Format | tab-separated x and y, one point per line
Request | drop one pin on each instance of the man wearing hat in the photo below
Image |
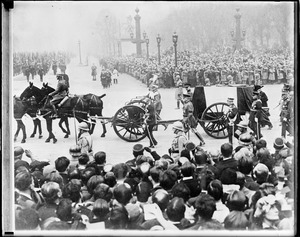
188	89
137	150
233	118
256	116
85	141
179	91
286	114
262	95
189	120
59	94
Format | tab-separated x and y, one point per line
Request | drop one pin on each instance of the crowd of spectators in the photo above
231	188
220	66
29	63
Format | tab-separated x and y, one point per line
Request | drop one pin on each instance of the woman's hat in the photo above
83	126
243	124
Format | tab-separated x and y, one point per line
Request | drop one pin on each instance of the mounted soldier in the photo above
60	93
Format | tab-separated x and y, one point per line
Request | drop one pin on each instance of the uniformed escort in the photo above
85	141
189	121
232	118
179	141
60	93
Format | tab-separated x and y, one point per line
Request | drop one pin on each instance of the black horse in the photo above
28	103
46	90
79	107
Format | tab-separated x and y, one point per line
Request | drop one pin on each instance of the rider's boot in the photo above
55	111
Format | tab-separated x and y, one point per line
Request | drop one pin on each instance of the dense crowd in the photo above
32	64
220	66
247	187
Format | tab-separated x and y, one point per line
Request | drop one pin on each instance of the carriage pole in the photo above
75	127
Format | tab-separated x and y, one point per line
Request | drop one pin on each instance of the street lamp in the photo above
158	39
131	35
79	52
175	40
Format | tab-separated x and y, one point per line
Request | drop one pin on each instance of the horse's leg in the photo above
18	130
38	123
67	127
22	126
24	132
34	128
93	124
49	128
60	125
104	129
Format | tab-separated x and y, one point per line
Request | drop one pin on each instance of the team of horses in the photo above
35	102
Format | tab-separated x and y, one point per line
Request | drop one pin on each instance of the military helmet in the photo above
178	125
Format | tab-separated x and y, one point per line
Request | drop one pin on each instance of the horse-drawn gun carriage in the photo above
129	121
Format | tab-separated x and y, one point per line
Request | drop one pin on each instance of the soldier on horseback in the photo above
59	94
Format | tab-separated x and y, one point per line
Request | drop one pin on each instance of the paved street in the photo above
116	96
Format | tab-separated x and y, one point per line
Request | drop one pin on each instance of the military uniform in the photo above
85	141
189	119
232	118
60	92
286	115
255	117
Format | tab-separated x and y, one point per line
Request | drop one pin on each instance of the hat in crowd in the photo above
18	152
257	87
186	96
190	146
178	125
187	84
138	148
278	143
260	168
83	126
230	99
154	86
285	152
243	124
167	158
286	88
245	139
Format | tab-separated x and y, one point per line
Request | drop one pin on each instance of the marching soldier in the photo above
265	110
232	118
189	120
179	91
286	114
54	67
255	117
94	72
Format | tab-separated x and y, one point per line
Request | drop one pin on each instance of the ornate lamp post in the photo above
147	43
175	40
158	39
137	40
79	52
238	37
